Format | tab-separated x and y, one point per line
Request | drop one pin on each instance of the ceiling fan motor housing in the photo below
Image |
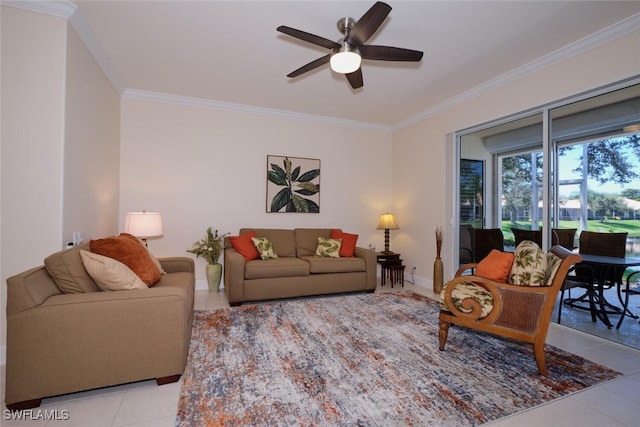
345	25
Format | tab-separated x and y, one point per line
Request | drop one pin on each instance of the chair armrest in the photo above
465	267
177	264
472	304
498	291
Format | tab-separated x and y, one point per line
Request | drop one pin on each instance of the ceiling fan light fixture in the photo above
345	62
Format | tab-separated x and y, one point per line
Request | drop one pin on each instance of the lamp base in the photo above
387	252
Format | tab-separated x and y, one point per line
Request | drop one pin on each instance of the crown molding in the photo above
62	9
143	95
95	48
613	32
69	11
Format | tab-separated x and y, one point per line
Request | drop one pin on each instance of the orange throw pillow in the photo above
127	249
348	247
495	266
245	246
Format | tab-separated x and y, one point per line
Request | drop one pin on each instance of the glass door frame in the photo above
550	161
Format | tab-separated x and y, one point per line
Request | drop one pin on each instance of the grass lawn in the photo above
631	226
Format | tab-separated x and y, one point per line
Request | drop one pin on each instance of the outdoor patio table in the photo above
600	303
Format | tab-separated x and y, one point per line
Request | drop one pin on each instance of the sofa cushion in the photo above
529	265
67	270
244	245
306	240
264	248
279	267
283	241
349	242
127	249
110	274
328	247
334	265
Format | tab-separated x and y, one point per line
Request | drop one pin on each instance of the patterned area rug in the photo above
361	359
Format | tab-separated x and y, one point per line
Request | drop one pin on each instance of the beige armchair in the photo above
510	310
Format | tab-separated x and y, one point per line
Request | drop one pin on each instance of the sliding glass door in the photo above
584	173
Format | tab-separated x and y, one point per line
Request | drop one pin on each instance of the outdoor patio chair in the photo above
514	310
590	278
559	236
521	235
564	237
485	240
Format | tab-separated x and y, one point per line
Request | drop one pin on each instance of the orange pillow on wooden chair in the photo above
244	245
495	266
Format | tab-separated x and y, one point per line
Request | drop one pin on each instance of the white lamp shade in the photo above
345	62
387	222
144	224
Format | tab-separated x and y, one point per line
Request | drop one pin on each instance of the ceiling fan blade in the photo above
308	37
388	53
355	79
310	66
368	24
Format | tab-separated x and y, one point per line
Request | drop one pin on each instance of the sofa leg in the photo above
235	304
167	380
25	404
370	291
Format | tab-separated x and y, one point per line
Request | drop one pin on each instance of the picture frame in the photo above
293	184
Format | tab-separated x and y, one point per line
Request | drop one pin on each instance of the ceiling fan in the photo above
346	58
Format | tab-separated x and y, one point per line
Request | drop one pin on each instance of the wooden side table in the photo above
391	268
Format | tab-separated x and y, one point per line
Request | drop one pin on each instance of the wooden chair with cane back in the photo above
520	309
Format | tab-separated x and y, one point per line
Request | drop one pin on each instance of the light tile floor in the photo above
614	403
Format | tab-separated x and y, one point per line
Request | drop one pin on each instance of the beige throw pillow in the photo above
328	247
264	247
110	274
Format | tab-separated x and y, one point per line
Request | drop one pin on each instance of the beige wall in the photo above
204	167
59	146
33	64
92	147
420	172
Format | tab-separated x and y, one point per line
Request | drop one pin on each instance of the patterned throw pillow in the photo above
553	264
264	247
529	265
328	247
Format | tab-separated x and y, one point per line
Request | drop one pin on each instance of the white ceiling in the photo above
230	51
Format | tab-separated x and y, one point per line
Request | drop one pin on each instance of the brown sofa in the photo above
297	271
59	343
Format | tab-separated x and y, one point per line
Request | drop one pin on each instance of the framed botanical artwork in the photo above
293	184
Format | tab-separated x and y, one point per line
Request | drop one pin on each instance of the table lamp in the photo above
144	225
387	222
